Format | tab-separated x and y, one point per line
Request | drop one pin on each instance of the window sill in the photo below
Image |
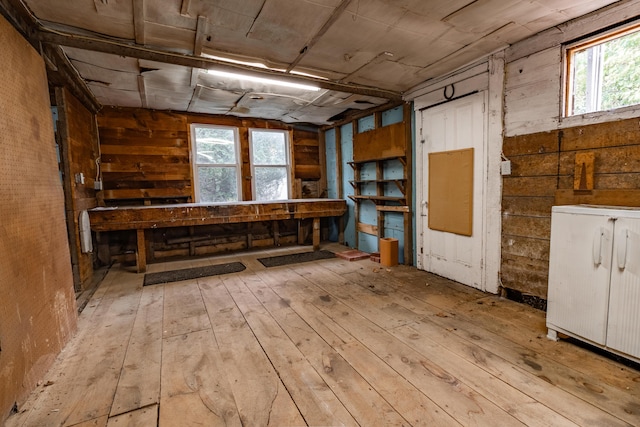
599	117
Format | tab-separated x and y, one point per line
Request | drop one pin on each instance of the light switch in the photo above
505	167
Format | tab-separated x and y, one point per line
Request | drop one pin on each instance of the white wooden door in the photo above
455	125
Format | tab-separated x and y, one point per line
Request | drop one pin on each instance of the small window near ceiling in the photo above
603	73
216	169
270	164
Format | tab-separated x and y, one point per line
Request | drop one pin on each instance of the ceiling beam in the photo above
184	8
332	19
138	21
198	42
133	51
201	27
61	72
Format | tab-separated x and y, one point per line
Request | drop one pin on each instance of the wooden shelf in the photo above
354	163
370	181
400	183
378	199
385	208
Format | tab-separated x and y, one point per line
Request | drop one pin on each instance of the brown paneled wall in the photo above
543	175
37	302
146	155
78	139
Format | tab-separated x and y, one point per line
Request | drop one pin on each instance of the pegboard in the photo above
37	307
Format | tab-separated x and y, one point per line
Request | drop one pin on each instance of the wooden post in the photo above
316	234
276	234
192	243
380	191
339	181
141	254
356	177
408	221
300	232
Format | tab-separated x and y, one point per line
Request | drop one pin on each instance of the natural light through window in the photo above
604	72
216	167
270	164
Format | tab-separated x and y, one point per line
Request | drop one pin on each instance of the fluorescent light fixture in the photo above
261	65
263	80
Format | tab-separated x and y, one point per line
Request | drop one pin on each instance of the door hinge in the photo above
484	105
421	250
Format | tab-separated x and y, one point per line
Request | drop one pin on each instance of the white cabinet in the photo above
594	277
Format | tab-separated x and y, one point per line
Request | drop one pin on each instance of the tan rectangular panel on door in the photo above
451	191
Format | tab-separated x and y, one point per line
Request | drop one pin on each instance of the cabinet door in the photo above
579	266
623	332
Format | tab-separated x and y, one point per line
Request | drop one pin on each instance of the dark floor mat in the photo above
276	261
192	273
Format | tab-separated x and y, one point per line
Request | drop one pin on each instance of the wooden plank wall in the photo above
78	139
542	145
37	301
543	168
146	155
307	169
527	197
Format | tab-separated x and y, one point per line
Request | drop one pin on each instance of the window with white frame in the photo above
269	164
603	72
216	163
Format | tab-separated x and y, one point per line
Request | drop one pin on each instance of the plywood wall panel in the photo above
37	307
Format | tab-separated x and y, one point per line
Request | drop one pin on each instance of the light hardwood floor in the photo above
324	343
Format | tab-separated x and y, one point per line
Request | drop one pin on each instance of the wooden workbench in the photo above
141	218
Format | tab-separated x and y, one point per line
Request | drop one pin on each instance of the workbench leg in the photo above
300	232
316	234
141	254
276	234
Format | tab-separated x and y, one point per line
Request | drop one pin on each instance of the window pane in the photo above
217	184
215	145
621	80
271	183
269	148
607	75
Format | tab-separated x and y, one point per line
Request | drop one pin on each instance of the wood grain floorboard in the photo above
329	342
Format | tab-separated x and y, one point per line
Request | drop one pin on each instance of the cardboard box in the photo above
388	251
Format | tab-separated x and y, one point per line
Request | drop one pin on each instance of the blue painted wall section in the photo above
346	132
392	169
332	177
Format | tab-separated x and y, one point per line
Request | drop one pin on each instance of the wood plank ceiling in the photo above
154	54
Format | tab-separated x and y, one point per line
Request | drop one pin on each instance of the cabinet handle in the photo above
622	239
597	246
